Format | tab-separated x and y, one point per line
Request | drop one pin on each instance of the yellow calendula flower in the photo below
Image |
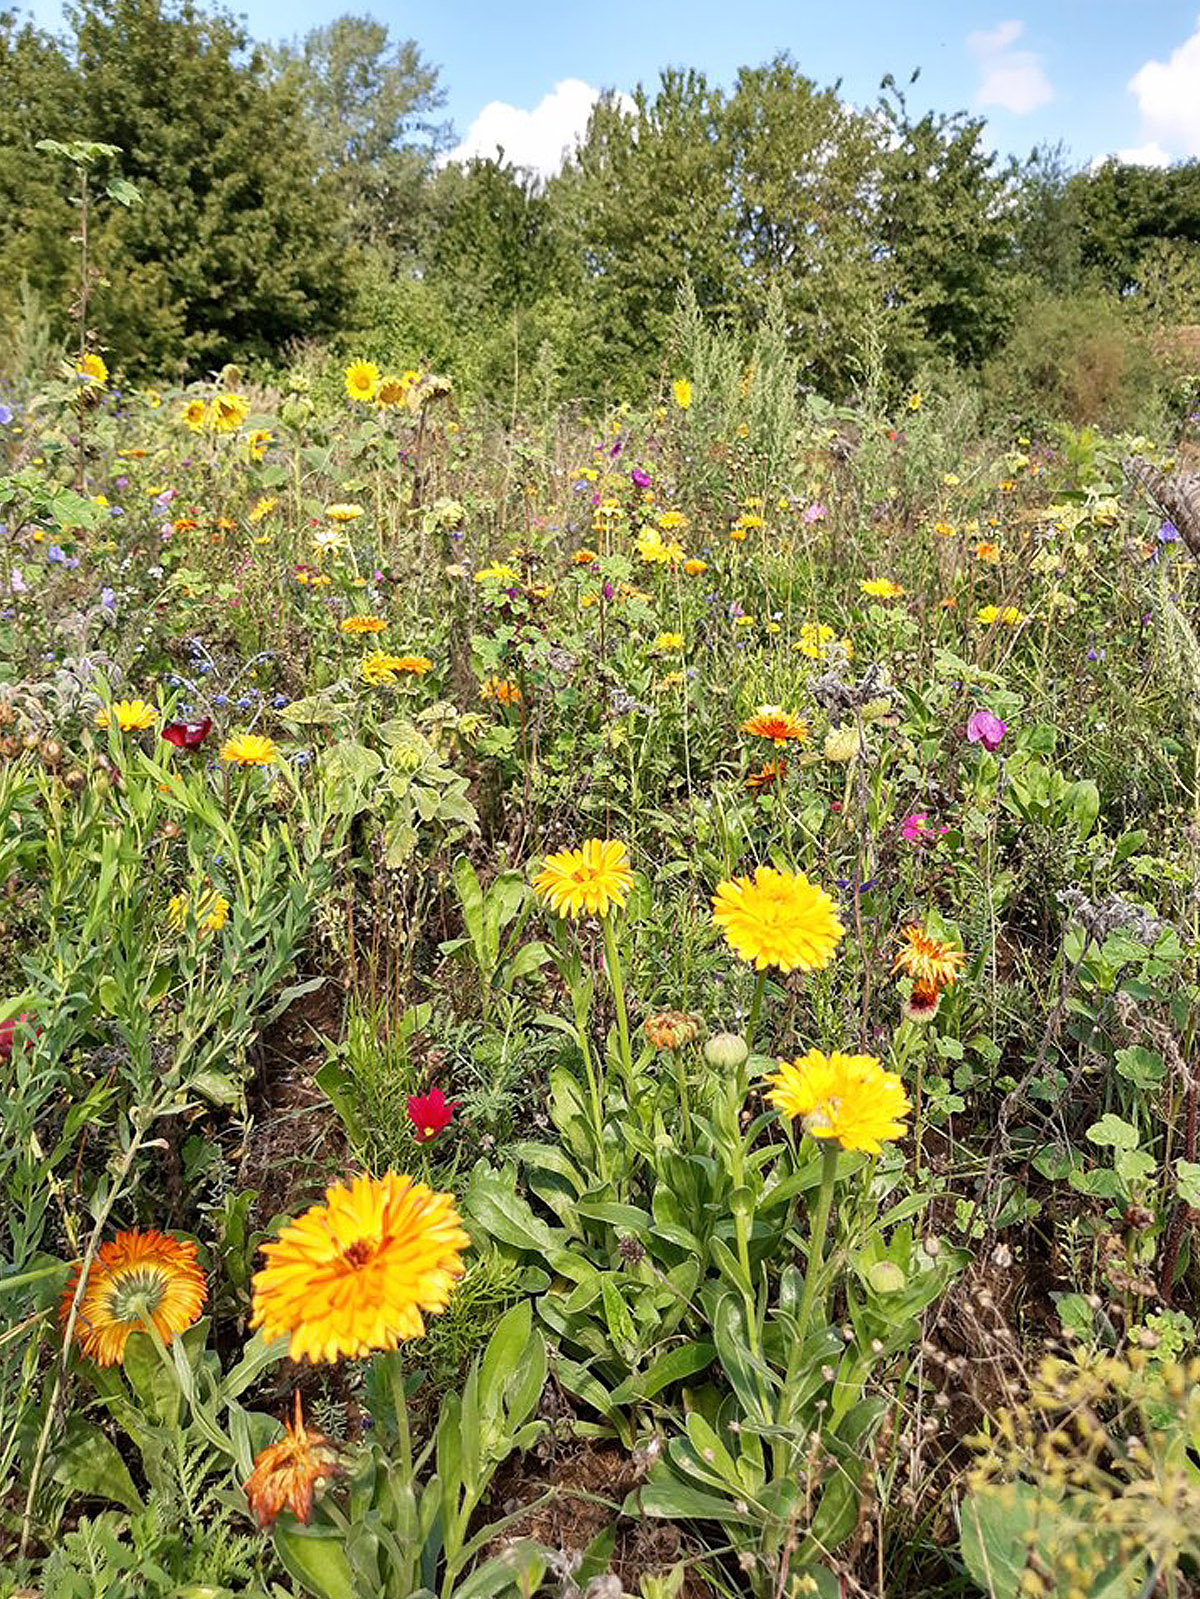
362	381
945	530
343	512
136	1278
916	400
497	572
261	508
681	393
380	667
92	370
249	749
987	551
593	879
672	521
778	919
363	624
817	639
1011	616
655	551
848	1098
195	414
667	643
987	615
129	715
880	588
355	1273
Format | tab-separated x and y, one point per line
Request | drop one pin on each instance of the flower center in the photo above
824	1114
359	1253
137	1295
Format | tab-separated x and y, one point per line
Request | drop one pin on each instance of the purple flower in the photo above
108	599
1168	533
814	513
640	478
986	729
6	415
608	591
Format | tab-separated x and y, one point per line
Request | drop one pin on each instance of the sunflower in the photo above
130	714
778	919
681	393
91	369
257	442
343	513
249	749
769	721
880	588
847	1097
362	381
392	391
136	1277
354	1274
592	878
227	412
363	623
285	1473
195	413
927	960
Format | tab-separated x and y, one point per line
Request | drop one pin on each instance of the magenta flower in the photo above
986	729
641	479
814	513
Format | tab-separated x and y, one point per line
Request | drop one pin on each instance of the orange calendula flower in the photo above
286	1473
595	879
364	624
584	557
778	919
987	551
501	689
849	1098
769	773
129	715
926	959
778	725
249	749
136	1278
694	566
355	1273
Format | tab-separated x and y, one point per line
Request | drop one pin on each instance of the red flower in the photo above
8	1028
187	735
430	1114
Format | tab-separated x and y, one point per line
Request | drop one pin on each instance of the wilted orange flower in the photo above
354	1274
768	773
778	725
286	1473
137	1277
927	959
501	689
671	1029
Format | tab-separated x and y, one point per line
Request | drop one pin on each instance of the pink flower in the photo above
814	513
430	1114
986	729
915	829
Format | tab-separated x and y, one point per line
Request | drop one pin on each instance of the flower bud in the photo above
726	1051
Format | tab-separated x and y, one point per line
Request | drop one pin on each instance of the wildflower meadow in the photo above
598	996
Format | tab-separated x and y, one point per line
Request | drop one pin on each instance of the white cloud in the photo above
540	139
1012	79
1168	97
1143	155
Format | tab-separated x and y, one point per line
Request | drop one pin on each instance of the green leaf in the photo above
88	1463
1111	1131
677	1364
665	1496
315	1558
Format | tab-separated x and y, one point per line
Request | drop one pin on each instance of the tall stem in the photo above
816	1260
617	984
760	985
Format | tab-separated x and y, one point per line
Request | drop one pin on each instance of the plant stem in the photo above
816	1260
617	984
760	985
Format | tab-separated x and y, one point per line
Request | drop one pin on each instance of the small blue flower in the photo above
280	701
220	699
6	415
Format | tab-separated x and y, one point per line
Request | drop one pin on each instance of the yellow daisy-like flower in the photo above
916	400
497	572
926	959
354	1274
769	721
392	391
584	557
593	879
694	566
129	714
672	521
227	412
91	369
501	689
656	551
987	614
137	1277
880	588
363	624
249	749
681	393
945	530
343	513
261	508
667	643
380	667
987	551
817	637
778	919
257	443
362	381
1011	616
211	911
849	1098
195	413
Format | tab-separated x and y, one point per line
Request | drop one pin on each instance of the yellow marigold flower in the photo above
392	391
343	513
681	393
249	749
137	1277
815	640
594	878
584	557
1011	616
91	369
778	919
655	551
694	567
130	714
945	530
916	400
672	521
737	534
987	551
262	508
287	1472
501	689
849	1098
987	614
498	572
195	413
354	1274
666	642
257	443
362	381
880	588
770	721
211	911
926	959
363	624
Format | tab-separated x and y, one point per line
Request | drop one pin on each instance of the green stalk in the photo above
816	1259
617	984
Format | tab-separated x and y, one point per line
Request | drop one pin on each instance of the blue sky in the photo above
1105	76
